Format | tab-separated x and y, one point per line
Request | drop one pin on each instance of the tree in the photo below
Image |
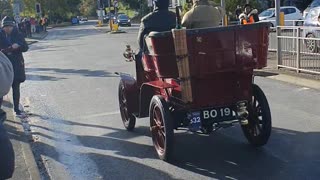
54	9
88	7
5	8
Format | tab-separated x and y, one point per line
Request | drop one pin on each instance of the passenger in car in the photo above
202	15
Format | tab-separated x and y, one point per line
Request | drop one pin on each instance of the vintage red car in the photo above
221	62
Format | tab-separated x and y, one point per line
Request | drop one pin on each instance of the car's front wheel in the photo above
311	44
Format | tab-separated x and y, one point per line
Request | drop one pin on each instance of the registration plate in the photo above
214	114
217	114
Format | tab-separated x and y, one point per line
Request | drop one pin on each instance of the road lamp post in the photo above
277	9
224	19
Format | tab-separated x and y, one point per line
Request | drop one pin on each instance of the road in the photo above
71	93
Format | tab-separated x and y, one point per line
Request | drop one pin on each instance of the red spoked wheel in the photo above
128	119
259	128
161	127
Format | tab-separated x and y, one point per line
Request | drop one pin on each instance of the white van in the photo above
292	15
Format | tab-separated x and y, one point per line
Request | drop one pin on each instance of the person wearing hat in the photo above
6	154
202	15
6	149
161	19
13	44
249	16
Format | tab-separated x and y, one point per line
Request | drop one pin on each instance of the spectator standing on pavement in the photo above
33	24
6	149
238	11
6	154
202	15
12	44
249	16
44	23
40	25
6	79
28	27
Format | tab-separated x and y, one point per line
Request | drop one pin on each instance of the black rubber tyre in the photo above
161	127
129	120
259	128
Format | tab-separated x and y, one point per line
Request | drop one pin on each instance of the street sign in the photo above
16	9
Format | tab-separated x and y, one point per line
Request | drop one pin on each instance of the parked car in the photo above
291	14
83	18
74	21
315	3
305	12
313	20
123	20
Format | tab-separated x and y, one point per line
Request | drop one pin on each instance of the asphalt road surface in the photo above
71	92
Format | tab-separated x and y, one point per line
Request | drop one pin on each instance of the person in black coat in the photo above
6	152
161	19
6	149
13	44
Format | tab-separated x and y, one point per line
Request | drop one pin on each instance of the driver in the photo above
161	19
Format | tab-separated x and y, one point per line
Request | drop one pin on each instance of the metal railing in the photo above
286	22
273	34
297	48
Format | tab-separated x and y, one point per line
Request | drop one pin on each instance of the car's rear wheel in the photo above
259	128
161	126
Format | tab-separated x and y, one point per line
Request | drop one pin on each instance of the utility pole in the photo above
224	19
277	7
16	10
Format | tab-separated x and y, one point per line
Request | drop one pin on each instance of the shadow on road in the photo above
288	155
32	77
120	168
71	33
264	73
83	72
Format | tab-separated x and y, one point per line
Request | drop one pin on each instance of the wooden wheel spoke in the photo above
124	100
156	121
158	115
162	131
161	139
153	129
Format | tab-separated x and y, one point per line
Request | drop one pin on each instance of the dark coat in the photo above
159	20
6	153
15	56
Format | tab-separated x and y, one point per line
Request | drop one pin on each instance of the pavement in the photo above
36	37
20	137
286	75
74	121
